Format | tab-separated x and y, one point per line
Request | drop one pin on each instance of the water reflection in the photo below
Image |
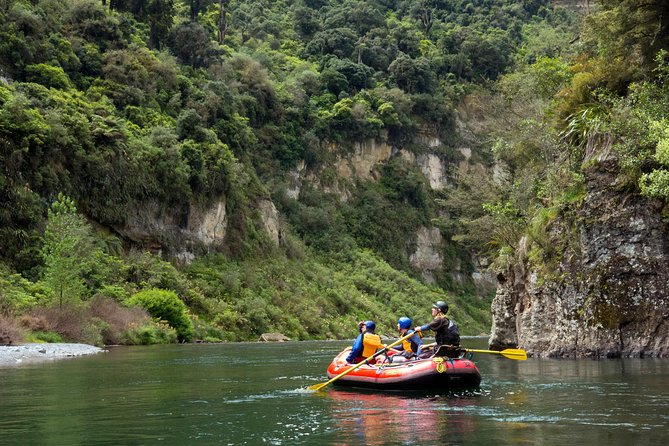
380	418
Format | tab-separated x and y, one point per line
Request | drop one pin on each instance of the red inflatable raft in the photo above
436	373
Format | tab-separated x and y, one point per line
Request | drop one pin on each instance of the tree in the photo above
358	76
338	41
158	14
423	11
196	6
222	21
192	44
627	29
411	75
160	17
66	242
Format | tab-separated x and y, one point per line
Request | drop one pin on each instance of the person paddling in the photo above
445	330
365	344
409	348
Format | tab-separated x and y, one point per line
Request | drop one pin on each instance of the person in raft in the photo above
445	330
365	344
409	348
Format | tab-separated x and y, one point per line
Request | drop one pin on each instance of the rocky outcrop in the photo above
608	295
427	257
179	234
362	163
273	337
434	170
199	229
270	220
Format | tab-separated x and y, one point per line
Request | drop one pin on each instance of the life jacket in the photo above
370	343
448	333
407	344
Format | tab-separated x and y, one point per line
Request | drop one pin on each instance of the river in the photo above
254	394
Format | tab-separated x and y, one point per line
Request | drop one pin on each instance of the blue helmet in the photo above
370	325
404	322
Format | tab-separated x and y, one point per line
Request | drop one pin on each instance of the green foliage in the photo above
629	30
66	243
508	224
148	334
45	336
656	183
93	105
17	293
313	299
166	305
48	75
192	44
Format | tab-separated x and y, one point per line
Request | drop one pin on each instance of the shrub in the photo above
116	319
69	321
10	331
149	333
166	305
48	75
207	332
45	336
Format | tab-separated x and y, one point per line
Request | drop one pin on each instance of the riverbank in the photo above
32	353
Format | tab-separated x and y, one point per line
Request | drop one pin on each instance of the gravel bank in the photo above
31	353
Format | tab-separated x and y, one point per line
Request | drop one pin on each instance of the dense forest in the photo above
110	109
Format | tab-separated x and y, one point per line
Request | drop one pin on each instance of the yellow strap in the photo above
441	368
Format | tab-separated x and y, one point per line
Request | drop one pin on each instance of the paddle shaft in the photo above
346	372
511	353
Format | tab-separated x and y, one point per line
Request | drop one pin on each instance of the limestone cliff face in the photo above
195	229
362	163
183	234
427	258
270	220
610	293
363	159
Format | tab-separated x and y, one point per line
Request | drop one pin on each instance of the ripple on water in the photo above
269	395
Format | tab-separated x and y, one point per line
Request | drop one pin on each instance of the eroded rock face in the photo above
150	224
270	219
427	258
362	163
208	226
610	293
196	230
433	169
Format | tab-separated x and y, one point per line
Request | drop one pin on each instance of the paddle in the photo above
346	372
511	353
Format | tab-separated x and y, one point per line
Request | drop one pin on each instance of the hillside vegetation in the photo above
110	107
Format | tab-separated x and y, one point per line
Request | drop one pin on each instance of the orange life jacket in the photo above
406	344
370	343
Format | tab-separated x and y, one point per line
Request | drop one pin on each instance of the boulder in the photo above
273	337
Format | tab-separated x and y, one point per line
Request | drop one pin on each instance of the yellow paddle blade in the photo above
317	387
511	353
514	353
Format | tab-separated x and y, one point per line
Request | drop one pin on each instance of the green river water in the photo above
254	394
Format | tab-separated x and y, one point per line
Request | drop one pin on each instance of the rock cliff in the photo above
609	295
